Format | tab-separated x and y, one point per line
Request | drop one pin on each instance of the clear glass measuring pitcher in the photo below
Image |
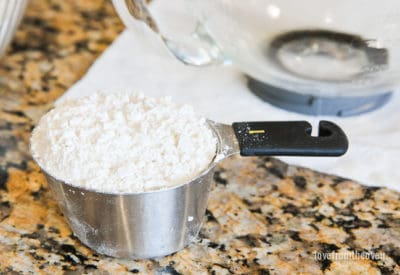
329	48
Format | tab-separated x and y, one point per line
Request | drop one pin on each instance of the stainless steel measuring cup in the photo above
158	223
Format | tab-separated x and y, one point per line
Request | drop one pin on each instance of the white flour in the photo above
122	143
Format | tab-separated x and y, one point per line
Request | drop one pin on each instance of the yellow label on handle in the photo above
252	132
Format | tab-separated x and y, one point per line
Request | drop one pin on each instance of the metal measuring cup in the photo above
158	223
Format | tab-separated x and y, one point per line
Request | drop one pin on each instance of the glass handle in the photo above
198	49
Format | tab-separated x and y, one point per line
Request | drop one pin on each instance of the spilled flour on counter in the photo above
122	143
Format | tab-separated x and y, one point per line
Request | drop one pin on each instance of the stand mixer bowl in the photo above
11	12
323	48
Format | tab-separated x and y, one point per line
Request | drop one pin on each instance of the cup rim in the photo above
202	173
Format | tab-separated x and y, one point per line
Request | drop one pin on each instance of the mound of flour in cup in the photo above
122	143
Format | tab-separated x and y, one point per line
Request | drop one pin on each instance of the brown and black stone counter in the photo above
264	217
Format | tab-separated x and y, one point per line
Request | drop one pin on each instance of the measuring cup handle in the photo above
289	138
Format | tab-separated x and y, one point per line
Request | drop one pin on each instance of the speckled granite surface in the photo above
264	217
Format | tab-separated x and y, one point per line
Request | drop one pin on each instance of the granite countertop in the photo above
263	217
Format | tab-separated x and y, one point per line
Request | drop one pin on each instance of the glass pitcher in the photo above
330	48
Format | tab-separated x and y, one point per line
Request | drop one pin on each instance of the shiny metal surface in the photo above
11	12
136	226
227	143
141	225
157	223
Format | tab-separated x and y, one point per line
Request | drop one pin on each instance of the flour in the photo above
122	143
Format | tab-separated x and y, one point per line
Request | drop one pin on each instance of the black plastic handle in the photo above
289	138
